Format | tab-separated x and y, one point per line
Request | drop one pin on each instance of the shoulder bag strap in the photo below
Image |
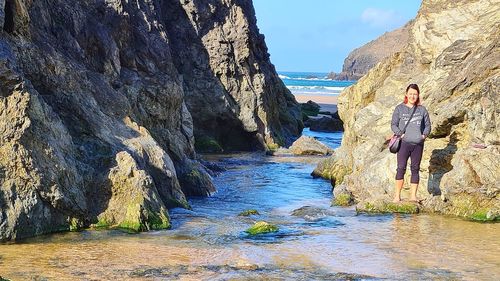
413	112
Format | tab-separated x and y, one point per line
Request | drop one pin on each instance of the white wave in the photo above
325	79
337	89
304	78
326	94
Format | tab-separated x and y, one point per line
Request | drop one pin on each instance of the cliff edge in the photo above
362	59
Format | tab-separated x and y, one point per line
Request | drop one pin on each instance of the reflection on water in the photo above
318	243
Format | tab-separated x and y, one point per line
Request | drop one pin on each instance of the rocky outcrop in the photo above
303	146
325	124
232	89
455	60
309	146
362	59
95	108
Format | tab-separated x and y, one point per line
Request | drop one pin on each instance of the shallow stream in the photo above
321	243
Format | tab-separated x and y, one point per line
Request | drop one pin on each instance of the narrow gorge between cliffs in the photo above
318	242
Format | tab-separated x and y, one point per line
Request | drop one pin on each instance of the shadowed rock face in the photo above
231	87
93	119
455	60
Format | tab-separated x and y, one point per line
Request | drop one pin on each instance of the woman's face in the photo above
412	96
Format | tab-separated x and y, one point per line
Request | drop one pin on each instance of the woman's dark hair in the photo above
414	87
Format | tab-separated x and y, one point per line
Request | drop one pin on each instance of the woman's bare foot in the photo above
396	200
414	200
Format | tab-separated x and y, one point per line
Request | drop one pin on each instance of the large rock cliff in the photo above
454	55
95	102
231	88
362	59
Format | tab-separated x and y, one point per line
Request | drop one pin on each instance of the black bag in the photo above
395	142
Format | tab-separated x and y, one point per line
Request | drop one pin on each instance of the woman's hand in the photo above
424	136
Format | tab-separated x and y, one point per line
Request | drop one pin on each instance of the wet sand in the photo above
327	102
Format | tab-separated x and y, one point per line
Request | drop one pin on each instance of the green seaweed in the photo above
389	207
158	221
207	144
272	146
342	199
403	208
75	224
248	213
472	208
101	224
482	216
261	227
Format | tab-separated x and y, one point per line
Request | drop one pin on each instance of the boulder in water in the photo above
309	146
325	124
262	227
248	213
311	213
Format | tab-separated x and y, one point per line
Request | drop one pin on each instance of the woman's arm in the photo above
395	122
427	124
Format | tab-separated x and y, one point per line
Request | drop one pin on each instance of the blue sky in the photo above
318	35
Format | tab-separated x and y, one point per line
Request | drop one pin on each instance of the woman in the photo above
412	143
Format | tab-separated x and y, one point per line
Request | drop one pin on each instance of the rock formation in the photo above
454	55
232	89
325	123
98	101
362	59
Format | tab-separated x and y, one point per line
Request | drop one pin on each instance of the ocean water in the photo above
315	83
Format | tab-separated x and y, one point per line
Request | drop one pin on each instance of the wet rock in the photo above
325	124
247	213
341	196
309	146
261	227
135	203
383	206
281	151
311	213
310	108
212	168
207	144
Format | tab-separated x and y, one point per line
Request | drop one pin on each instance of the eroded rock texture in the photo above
231	88
94	123
454	55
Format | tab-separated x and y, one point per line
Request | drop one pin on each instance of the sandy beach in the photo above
327	102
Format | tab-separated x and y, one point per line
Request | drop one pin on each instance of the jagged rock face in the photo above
455	60
362	59
94	124
231	87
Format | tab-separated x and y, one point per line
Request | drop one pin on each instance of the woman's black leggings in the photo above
413	151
